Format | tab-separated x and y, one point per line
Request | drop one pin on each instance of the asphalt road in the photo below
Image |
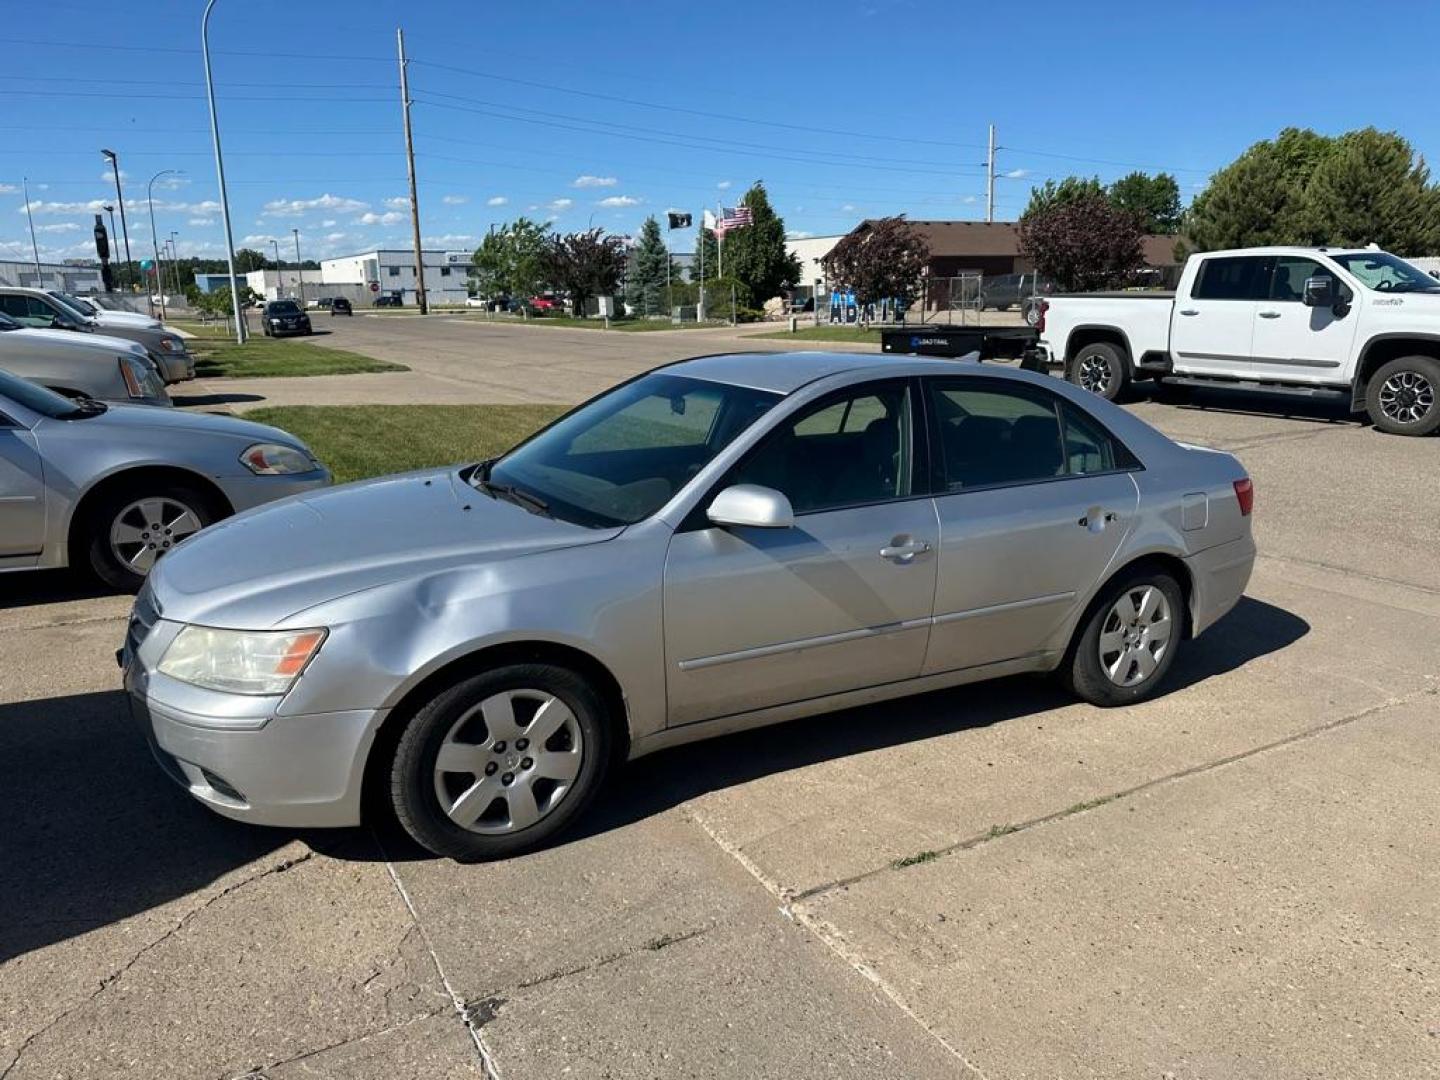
1237	879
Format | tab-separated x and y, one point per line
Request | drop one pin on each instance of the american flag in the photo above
737	217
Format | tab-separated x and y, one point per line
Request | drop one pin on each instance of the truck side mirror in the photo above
1319	292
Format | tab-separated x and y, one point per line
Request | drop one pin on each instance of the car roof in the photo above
786	372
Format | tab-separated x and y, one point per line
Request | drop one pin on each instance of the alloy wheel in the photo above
1135	635
508	762
1095	374
1407	397
148	528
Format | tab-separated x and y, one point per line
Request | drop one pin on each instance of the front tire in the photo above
1403	397
500	762
132	527
1127	641
1102	369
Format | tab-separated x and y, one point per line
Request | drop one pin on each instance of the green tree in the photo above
646	277
1155	200
248	259
585	264
1371	189
1050	194
755	254
882	258
707	254
512	260
1085	243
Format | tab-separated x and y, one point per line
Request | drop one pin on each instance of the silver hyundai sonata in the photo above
722	543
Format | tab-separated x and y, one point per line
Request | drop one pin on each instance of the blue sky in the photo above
606	113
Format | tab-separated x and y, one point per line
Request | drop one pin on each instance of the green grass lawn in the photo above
357	441
263	357
207	331
857	334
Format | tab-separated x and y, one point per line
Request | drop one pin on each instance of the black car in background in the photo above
1004	291
284	317
341	306
389	300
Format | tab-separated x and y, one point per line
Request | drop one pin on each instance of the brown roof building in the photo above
958	247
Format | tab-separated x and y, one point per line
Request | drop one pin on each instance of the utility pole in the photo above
410	165
279	273
240	327
155	246
299	269
34	247
990	178
114	160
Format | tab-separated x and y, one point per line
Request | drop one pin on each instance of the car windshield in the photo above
65	305
619	458
284	307
43	401
1383	272
79	303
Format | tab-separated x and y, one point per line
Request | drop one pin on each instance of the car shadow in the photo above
192	401
96	833
1252	403
49	587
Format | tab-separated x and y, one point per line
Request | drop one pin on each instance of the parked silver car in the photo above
96	366
113	488
46	311
719	544
103	315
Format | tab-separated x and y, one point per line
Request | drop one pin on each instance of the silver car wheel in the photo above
1135	635
1406	397
148	528
1095	374
508	762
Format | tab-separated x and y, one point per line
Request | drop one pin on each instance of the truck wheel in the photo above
1102	369
1403	397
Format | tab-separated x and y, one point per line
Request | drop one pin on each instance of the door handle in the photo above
1269	314
904	552
1097	519
1189	311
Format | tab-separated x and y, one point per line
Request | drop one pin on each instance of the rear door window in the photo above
1233	277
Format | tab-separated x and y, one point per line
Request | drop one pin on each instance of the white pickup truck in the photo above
1362	325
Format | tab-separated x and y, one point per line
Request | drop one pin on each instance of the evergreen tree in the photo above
1154	200
707	254
1069	190
1371	189
645	278
755	255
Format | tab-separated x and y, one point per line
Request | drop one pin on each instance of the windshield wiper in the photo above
87	406
533	503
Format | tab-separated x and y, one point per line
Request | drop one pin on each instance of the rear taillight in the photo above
1245	496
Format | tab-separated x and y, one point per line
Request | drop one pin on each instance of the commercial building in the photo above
66	277
391	272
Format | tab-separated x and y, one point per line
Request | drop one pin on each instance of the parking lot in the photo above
1236	879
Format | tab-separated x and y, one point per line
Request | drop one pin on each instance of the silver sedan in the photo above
719	544
113	488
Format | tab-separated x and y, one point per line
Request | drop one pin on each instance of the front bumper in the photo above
293	328
236	756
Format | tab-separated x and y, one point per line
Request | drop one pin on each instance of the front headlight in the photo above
275	459
263	662
274	322
170	344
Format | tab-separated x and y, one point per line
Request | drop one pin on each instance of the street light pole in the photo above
114	160
34	247
279	273
175	262
300	270
220	174
111	211
155	241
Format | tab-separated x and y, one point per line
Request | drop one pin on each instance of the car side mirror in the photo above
1319	292
751	505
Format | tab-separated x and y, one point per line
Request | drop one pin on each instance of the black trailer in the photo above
987	342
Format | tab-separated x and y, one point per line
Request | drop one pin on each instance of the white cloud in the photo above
620	200
848	208
108	175
201	221
455	200
297	207
561	205
134	206
970	199
1016	174
449	240
9	189
594	181
256	239
496	200
797	235
59	226
329	223
723	184
335	237
398	203
390	217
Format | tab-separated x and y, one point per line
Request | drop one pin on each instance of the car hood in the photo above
269	564
181	420
125	318
68	339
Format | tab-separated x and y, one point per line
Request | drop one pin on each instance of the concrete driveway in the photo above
1235	880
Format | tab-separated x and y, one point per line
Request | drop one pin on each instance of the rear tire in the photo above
123	563
1126	642
1403	397
503	794
1102	369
